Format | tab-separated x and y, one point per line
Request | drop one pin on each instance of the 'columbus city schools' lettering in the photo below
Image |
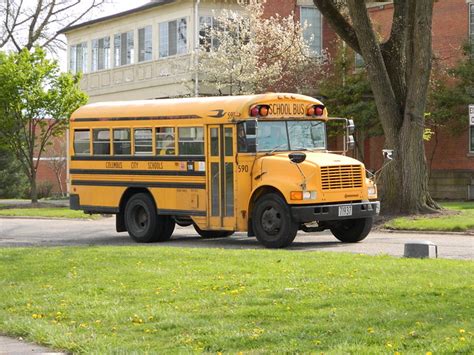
287	109
113	165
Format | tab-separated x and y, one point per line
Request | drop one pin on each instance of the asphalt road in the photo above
18	232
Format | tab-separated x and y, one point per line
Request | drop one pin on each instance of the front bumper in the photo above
311	213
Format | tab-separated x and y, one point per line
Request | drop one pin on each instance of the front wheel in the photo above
272	222
352	230
212	234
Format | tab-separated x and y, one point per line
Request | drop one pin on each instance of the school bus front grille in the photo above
341	177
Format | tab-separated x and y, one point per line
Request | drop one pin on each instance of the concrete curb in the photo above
51	218
411	231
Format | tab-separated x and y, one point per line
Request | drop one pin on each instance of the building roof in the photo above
150	5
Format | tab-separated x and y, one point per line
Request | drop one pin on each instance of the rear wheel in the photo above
352	230
272	222
142	222
212	234
168	228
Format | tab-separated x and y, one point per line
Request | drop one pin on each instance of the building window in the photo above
173	38
101	53
359	61
206	23
123	48
471	140
144	44
311	17
78	58
471	28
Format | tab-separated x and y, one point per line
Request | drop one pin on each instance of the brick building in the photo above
145	53
450	155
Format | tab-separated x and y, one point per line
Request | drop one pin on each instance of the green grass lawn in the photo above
61	212
172	300
461	222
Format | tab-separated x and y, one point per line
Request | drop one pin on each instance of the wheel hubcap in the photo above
271	220
140	218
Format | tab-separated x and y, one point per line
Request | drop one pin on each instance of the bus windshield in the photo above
290	135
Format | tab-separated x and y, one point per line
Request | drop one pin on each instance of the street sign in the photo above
471	115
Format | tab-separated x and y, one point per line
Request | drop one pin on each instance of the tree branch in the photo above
390	114
339	24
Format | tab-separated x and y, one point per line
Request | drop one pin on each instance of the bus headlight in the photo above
372	190
303	195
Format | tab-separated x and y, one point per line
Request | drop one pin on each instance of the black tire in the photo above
142	222
352	230
168	228
272	222
212	234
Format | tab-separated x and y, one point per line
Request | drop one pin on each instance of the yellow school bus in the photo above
256	163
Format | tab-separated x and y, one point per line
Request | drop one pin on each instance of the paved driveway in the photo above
15	232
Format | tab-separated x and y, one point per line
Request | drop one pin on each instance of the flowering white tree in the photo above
241	52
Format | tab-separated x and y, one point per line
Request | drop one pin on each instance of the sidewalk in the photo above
15	346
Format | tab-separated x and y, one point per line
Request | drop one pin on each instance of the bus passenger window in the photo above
143	141
101	141
82	139
191	141
122	145
165	142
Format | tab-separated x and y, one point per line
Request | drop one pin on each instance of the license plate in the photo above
345	211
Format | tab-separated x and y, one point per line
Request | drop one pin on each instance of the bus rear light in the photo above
259	110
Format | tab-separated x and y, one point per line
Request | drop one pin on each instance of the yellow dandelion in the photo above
462	339
462	331
428	353
388	345
370	330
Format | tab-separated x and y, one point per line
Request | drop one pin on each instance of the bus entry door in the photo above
220	176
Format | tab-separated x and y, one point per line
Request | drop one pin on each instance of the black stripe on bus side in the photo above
138	158
178	185
181	212
96	119
136	172
161	211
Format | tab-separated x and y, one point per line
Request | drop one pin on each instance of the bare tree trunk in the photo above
33	186
398	71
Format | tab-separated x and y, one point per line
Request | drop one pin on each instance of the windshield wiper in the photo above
274	149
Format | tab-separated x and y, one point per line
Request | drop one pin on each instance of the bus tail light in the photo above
259	110
315	110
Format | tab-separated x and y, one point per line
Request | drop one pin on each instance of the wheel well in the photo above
262	190
120	218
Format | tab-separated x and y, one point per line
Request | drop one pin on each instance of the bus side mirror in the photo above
350	142
297	157
350	127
